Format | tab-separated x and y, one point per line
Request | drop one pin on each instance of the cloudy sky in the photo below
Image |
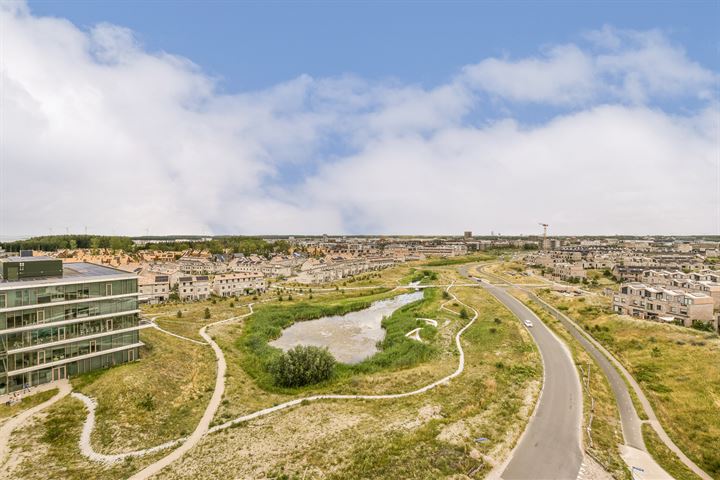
134	118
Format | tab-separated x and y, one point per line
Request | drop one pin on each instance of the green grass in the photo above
159	398
676	367
396	350
26	403
459	260
371	439
665	457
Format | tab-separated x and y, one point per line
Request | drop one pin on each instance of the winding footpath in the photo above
203	427
9	426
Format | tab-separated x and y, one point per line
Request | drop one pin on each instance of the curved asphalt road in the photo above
631	424
550	448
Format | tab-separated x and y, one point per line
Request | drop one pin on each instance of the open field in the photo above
513	272
677	368
141	404
600	411
162	396
426	436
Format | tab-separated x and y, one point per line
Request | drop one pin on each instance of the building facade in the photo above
232	284
60	320
663	304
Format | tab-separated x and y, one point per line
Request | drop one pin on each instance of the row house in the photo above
154	288
663	304
233	284
193	287
569	271
690	282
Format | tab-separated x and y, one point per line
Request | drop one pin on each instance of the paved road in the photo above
631	424
550	448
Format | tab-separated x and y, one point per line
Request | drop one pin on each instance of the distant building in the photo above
60	320
232	284
154	288
467	235
193	287
664	304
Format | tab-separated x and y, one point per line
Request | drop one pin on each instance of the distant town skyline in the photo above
132	120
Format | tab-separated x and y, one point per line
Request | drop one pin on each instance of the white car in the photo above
528	323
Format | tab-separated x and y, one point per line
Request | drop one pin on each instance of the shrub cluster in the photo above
302	365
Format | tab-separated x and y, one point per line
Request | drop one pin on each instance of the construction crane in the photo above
545	226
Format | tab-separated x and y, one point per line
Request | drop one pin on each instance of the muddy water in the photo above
351	338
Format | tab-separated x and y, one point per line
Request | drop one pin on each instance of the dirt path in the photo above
6	430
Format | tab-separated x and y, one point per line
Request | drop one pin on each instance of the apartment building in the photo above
193	287
60	320
663	304
701	282
154	288
232	284
569	271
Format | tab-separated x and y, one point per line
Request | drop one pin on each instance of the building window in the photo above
2	300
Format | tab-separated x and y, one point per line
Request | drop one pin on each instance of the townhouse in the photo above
232	284
663	304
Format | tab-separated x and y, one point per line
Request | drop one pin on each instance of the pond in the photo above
352	337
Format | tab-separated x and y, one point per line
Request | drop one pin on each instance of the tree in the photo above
302	365
207	313
179	314
463	313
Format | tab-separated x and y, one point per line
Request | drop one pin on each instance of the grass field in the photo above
24	404
162	396
677	368
141	404
427	436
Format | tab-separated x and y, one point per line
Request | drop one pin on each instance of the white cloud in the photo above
564	75
96	131
620	65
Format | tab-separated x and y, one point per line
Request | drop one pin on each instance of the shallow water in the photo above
351	338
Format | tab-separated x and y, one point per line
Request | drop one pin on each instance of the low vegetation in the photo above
26	403
675	366
302	365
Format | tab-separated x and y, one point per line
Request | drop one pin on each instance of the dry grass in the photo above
426	436
677	368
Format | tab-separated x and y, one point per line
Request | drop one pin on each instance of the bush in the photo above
446	294
207	313
147	402
463	314
302	365
179	314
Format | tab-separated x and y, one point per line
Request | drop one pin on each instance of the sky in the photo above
254	118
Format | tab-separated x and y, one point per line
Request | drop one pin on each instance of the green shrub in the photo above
147	402
207	313
179	314
302	365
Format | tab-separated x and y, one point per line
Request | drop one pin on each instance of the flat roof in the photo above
17	258
73	272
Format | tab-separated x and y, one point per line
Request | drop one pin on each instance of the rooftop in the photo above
72	272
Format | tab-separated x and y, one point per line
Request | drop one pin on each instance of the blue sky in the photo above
251	45
405	117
